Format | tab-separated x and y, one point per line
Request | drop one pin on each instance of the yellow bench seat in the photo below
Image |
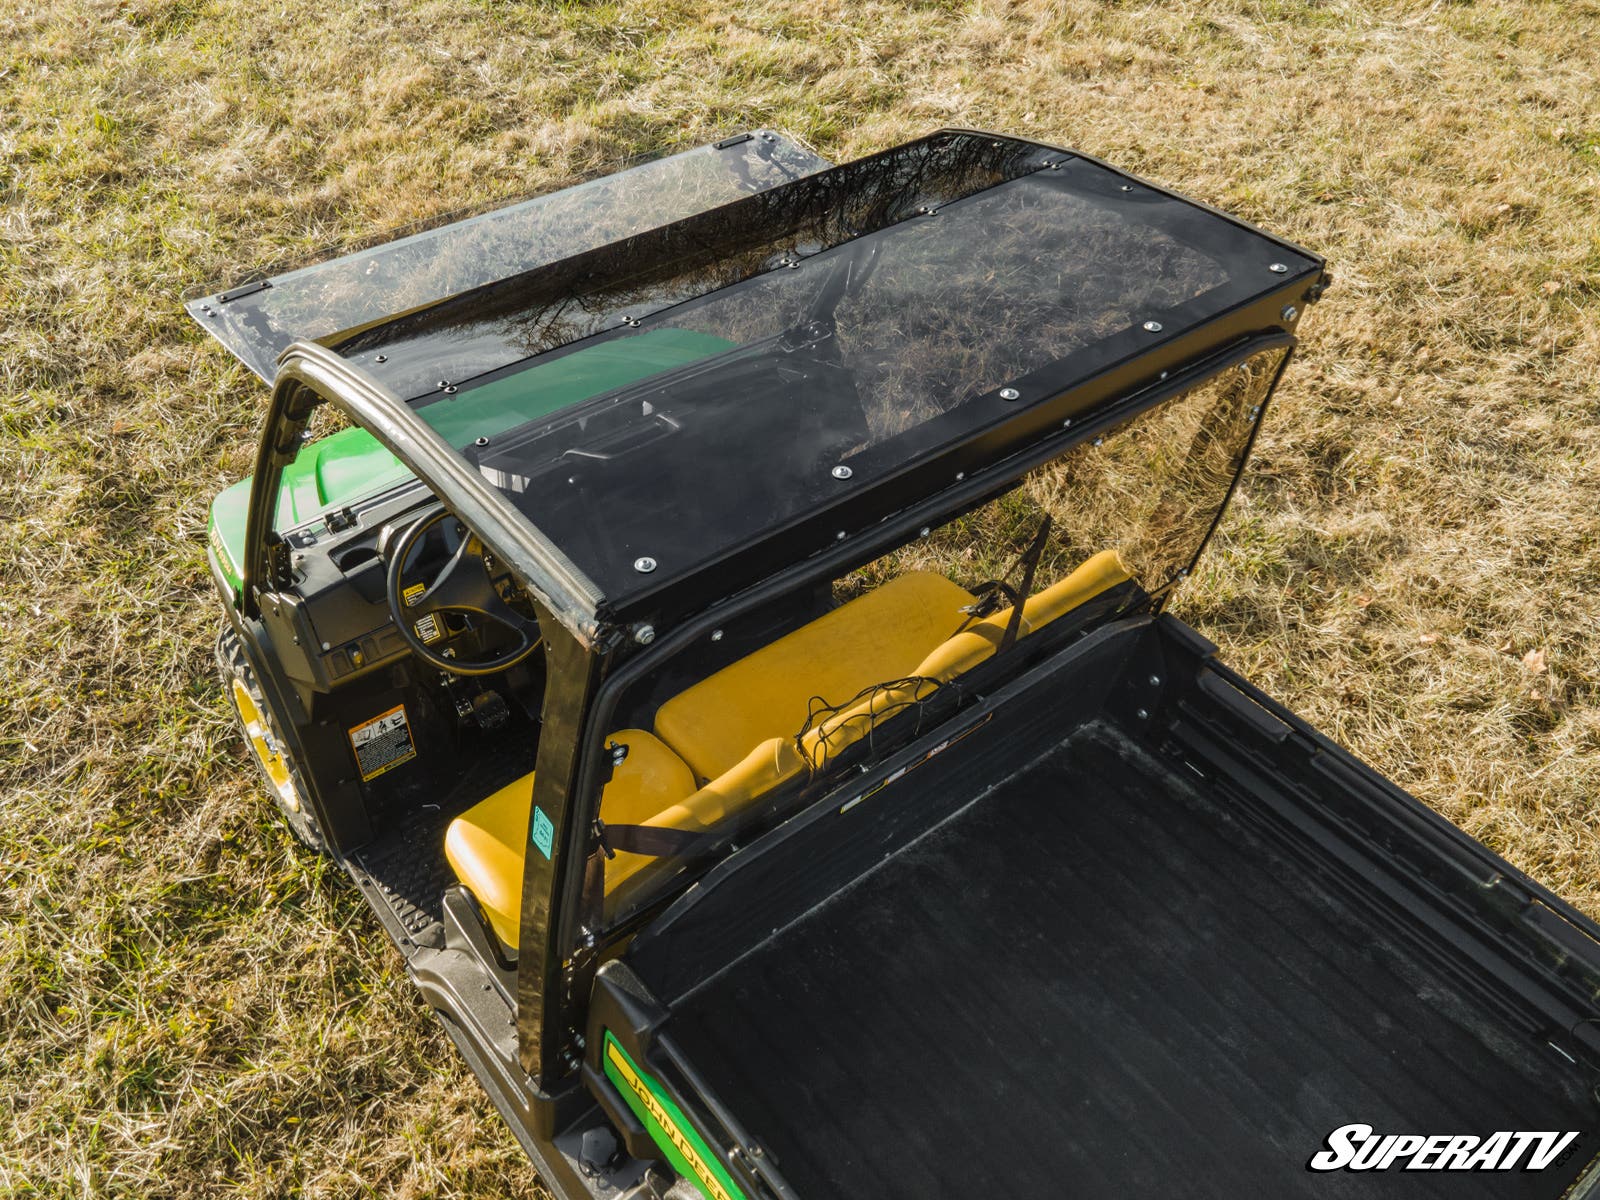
732	738
880	636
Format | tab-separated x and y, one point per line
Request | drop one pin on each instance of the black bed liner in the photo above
1105	977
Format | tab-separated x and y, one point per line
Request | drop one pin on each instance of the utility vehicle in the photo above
715	615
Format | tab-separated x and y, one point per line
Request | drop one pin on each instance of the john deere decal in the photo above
685	1149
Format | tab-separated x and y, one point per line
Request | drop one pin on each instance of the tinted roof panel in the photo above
327	301
876	313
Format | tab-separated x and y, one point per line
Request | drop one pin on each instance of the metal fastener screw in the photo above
1099	441
1278	269
327	646
1127	187
716	635
839	537
1143	714
451	390
444	383
1010	394
380	358
1290	312
1155	681
924	531
1067	424
482	441
1164	374
842	472
1152	326
960	475
644	564
644	634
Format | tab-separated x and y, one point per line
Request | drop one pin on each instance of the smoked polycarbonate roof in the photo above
824	336
327	300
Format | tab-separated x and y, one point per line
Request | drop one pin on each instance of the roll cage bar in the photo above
309	375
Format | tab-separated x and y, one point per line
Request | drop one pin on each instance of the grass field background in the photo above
189	1004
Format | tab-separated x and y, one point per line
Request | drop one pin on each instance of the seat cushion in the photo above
881	636
486	845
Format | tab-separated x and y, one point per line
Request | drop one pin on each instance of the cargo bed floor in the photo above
1094	982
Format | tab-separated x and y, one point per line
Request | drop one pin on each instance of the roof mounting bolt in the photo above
644	564
1067	424
1155	681
1183	573
644	634
839	537
1127	187
1143	714
792	264
960	475
1152	326
1290	312
451	390
924	532
480	441
716	635
380	358
1010	394
215	315
842	472
326	646
1164	374
1255	412
1099	441
1278	269
444	383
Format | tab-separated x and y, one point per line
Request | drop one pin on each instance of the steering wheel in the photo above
463	587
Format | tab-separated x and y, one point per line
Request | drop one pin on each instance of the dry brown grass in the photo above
190	1008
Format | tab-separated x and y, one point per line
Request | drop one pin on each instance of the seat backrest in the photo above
881	635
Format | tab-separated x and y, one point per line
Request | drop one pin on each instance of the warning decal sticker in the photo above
428	627
382	743
542	833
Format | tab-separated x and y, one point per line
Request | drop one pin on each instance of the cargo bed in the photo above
1137	962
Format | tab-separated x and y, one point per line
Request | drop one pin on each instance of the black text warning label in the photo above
382	743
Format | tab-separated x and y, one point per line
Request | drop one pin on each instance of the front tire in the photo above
285	783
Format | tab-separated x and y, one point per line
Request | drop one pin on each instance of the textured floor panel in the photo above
408	864
1104	987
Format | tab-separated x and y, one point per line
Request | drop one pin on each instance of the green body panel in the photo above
351	464
682	1144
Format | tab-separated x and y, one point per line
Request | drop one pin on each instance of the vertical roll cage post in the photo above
566	601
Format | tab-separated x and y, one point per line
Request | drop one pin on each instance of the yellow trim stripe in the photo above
708	1182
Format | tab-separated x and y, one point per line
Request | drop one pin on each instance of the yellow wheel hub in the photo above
266	748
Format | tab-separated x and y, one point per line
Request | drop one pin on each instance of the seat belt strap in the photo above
1030	564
